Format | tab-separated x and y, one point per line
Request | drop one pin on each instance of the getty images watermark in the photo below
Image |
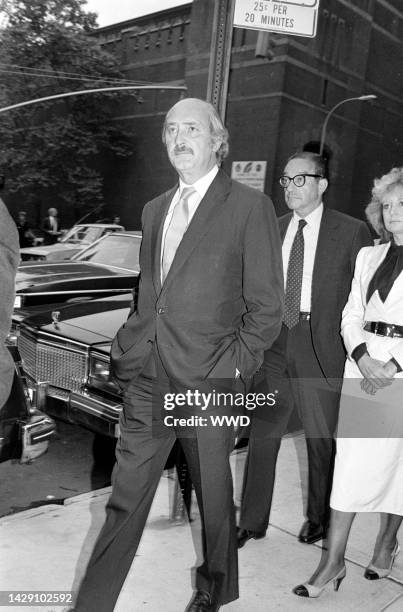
193	398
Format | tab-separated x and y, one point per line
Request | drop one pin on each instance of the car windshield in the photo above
114	250
82	234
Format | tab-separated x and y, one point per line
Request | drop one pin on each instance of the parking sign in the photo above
295	17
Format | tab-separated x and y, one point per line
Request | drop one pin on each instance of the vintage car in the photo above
75	240
65	356
24	430
108	267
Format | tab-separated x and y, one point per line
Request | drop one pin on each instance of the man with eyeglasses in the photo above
304	367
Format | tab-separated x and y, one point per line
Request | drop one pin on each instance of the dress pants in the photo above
291	371
141	453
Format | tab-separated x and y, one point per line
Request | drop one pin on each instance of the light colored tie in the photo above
176	229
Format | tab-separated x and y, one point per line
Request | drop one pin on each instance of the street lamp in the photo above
323	134
89	91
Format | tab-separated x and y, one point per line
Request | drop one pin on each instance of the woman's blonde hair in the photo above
374	209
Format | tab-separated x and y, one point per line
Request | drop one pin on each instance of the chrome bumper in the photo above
35	436
88	409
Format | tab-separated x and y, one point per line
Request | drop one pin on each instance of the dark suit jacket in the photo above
340	238
9	259
221	304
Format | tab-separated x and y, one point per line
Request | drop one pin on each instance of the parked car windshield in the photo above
82	234
114	250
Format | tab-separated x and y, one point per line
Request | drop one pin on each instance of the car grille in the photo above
59	366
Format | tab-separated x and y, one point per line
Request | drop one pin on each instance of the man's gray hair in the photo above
217	129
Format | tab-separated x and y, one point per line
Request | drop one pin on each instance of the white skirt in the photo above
368	474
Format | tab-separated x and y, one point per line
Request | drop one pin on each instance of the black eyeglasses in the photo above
298	179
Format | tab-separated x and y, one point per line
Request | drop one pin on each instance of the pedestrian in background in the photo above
210	302
24	230
368	474
305	364
50	226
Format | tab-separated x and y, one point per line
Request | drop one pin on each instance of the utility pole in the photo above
220	57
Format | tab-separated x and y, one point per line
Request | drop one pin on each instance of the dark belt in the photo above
304	316
384	329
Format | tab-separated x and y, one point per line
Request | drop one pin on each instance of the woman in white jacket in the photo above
368	475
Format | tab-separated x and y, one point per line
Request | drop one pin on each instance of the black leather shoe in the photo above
311	533
243	535
202	602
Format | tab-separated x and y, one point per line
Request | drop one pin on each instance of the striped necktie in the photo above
294	278
176	229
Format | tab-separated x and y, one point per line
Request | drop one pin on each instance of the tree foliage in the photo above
51	149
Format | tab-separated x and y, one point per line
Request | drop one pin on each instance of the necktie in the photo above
176	229
294	278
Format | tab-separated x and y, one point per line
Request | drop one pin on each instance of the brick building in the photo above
280	90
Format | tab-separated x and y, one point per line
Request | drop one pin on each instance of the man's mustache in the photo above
182	149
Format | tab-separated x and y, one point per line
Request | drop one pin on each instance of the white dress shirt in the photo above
310	233
201	186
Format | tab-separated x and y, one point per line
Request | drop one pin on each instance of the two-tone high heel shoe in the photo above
310	590
376	573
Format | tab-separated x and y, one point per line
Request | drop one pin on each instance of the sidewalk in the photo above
46	549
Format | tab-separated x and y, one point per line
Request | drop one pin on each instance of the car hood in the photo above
51	248
30	275
92	323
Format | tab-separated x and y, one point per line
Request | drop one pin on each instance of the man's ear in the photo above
216	144
323	183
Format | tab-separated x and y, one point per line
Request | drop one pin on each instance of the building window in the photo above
169	39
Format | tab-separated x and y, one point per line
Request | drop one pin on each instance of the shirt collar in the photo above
313	218
202	185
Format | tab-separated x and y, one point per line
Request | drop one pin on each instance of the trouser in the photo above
141	453
291	371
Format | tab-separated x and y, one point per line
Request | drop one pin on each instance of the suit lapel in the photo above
283	223
326	250
396	292
374	262
156	237
208	209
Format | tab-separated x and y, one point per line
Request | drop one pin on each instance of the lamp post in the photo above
324	127
89	91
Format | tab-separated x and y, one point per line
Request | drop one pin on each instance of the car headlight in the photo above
100	375
18	301
101	370
13	334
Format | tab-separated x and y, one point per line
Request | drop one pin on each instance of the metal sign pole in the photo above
220	57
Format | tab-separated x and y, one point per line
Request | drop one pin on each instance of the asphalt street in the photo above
67	469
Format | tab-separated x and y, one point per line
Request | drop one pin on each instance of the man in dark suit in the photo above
24	230
305	365
209	304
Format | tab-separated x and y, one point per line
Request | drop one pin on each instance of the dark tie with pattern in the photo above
294	278
176	229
